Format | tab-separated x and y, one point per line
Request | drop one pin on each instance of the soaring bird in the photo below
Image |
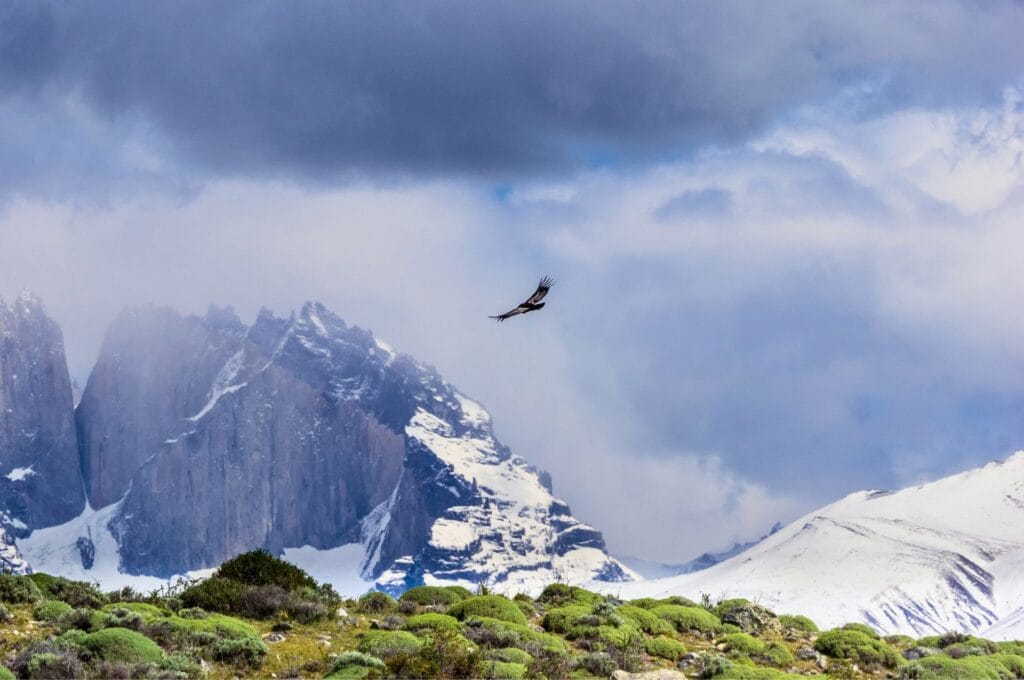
532	303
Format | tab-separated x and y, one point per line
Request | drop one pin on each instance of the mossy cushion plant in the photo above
798	622
862	628
856	646
505	670
665	648
688	618
121	645
354	666
741	643
433	595
560	595
51	610
509	654
940	666
385	644
646	620
431	621
490	606
6	674
498	633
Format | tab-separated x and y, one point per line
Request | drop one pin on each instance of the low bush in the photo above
6	674
51	610
355	665
246	652
495	633
856	646
940	666
871	632
490	606
688	618
386	644
216	595
82	619
797	622
560	595
5	614
18	589
260	568
777	655
75	593
431	621
741	643
504	670
49	665
645	620
376	602
510	655
179	665
121	645
597	664
665	648
726	606
432	595
561	619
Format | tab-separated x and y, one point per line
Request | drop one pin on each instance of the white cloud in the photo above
697	374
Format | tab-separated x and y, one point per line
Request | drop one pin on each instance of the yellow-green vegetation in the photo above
261	617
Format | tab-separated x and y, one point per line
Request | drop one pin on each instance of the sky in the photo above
785	236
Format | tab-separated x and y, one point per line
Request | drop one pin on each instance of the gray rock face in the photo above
154	370
40	475
216	438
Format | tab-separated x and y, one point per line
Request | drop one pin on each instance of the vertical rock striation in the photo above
40	475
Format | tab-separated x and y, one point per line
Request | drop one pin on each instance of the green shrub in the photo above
180	665
18	589
969	668
1011	647
645	620
247	652
71	640
386	644
798	622
260	568
49	665
527	608
120	645
560	595
498	634
355	665
504	670
452	654
5	674
741	643
75	593
216	595
777	654
193	613
561	619
432	595
709	665
510	655
856	646
220	626
490	606
376	602
431	621
687	618
622	636
82	619
597	664
665	648
739	672
50	610
728	605
5	614
863	628
146	611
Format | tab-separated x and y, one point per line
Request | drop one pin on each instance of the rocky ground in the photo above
261	617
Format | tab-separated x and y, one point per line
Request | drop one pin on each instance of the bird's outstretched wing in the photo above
521	309
542	289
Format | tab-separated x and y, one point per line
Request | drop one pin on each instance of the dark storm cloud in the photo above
328	90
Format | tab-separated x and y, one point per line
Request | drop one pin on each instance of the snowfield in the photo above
948	555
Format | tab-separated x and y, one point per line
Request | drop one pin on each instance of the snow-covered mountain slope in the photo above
202	438
948	555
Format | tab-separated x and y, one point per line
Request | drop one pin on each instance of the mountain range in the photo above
942	556
197	438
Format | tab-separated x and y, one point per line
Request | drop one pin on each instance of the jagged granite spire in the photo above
40	476
214	438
